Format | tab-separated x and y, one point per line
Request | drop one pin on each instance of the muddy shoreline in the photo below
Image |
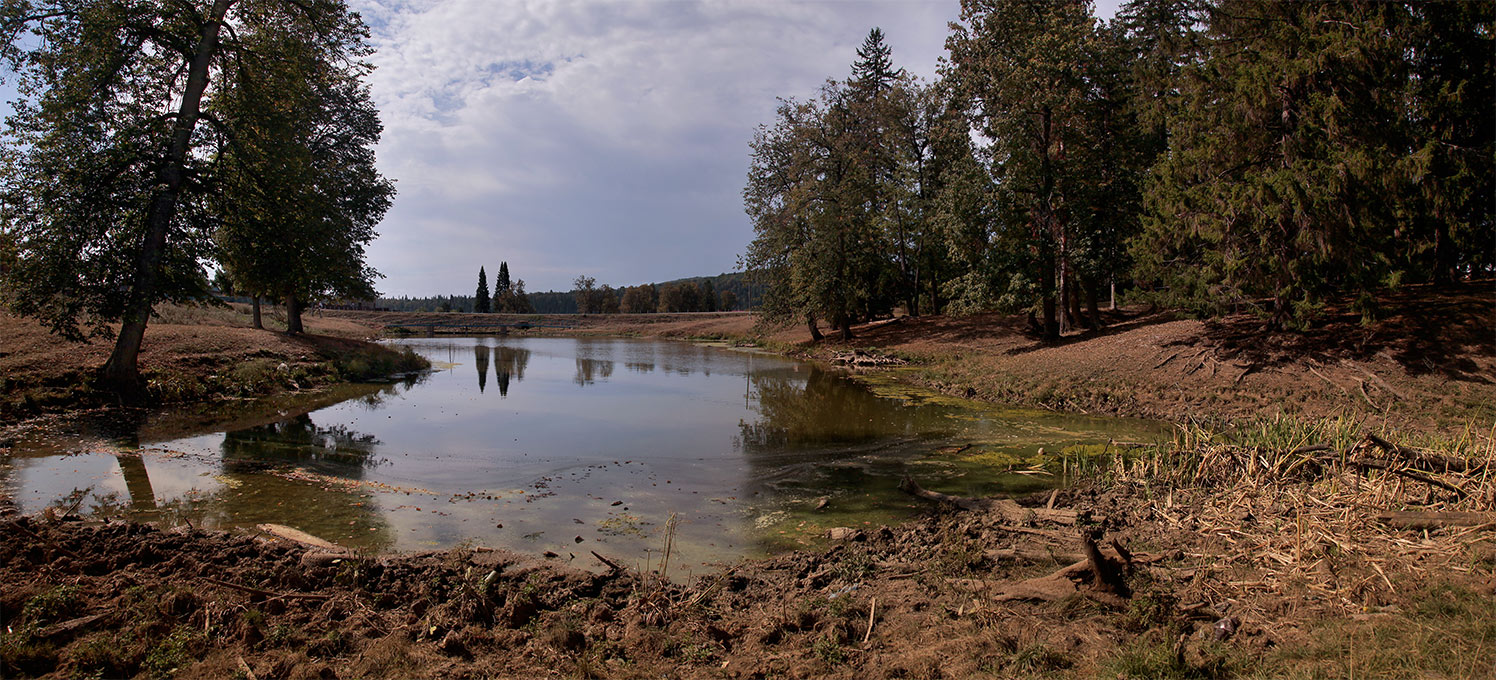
959	593
1237	568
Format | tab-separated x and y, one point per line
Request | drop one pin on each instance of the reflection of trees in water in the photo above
137	481
591	370
594	361
509	363
822	409
299	440
639	366
480	359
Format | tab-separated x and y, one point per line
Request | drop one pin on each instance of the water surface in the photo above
564	445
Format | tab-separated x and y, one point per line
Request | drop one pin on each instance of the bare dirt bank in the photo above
1247	573
190	354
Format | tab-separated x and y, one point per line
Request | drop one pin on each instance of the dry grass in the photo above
1374	558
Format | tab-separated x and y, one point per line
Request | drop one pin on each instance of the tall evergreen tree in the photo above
1282	173
1452	121
1026	65
874	70
708	296
480	299
501	282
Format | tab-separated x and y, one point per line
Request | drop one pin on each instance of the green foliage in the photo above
52	606
297	127
183	645
1301	164
115	196
1222	155
86	158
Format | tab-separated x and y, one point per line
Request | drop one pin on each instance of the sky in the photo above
592	137
583	137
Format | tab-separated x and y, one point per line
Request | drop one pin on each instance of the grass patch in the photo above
1449	632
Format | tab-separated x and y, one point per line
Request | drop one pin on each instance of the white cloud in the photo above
606	138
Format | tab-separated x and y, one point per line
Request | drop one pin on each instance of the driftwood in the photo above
1410	474
1104	572
1425	460
299	536
1435	520
69	626
1064	582
1007	509
606	561
859	357
1032	555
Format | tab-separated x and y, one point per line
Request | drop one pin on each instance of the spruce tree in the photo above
874	70
501	283
1281	180
480	299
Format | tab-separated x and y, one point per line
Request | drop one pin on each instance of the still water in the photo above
565	445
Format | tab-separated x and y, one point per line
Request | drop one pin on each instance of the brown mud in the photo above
1290	565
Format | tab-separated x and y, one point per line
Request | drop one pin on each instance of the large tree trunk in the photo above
293	316
1093	313
1046	278
1445	255
1067	321
255	305
122	372
842	322
815	331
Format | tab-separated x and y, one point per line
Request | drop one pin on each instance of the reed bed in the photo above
1326	513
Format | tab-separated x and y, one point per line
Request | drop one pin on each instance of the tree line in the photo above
1209	155
153	139
724	293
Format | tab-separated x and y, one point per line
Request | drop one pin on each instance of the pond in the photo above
562	446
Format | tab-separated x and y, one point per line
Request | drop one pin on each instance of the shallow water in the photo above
564	445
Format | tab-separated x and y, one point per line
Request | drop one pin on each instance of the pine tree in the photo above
1282	174
501	283
480	299
1027	65
874	70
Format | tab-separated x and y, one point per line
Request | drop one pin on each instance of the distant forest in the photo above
678	295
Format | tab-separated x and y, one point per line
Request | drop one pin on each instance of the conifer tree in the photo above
480	299
501	282
1282	175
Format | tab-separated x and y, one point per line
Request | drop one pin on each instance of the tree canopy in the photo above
1211	155
137	121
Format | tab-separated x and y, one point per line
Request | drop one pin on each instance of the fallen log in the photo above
1410	474
299	536
1007	509
69	626
1032	555
1425	460
1435	519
